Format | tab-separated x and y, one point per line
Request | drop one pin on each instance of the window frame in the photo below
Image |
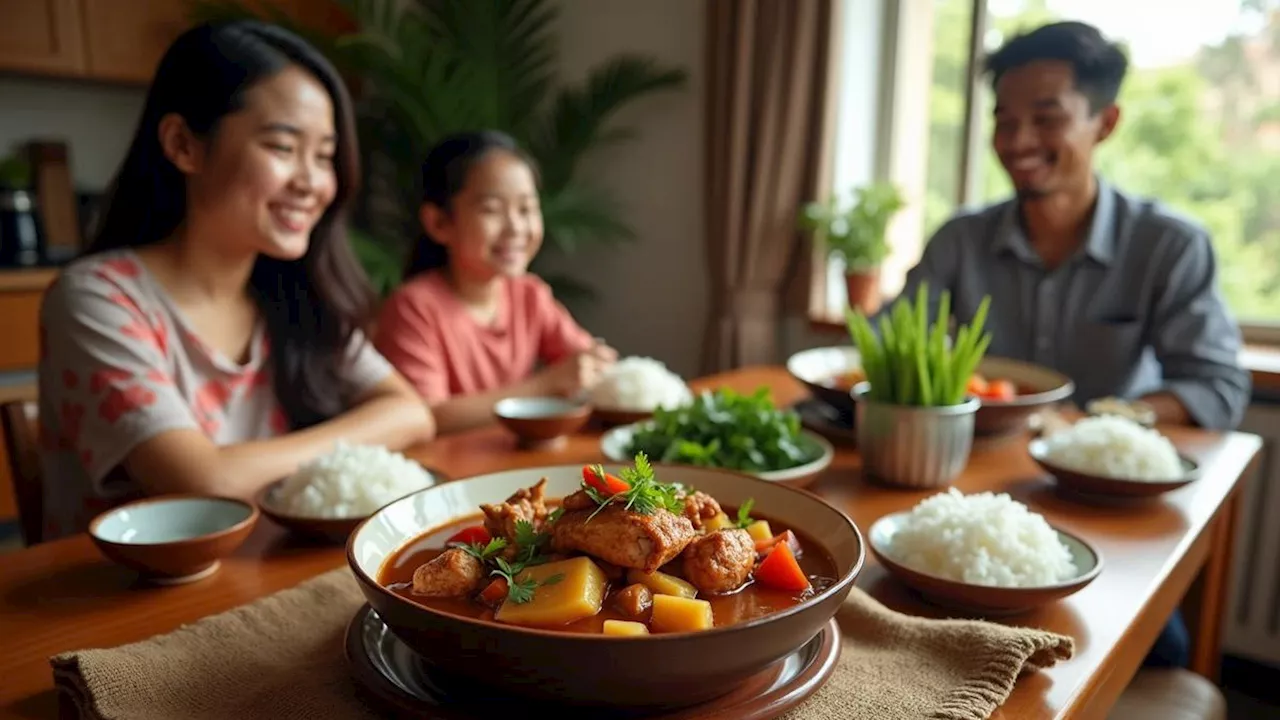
897	21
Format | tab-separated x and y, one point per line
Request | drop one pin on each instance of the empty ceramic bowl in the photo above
541	422
988	600
174	539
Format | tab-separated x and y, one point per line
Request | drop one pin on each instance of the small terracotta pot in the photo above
863	289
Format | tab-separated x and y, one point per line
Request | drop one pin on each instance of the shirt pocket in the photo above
1111	345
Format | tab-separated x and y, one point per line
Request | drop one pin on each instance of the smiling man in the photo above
1118	292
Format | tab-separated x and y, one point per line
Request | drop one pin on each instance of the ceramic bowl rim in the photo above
573	409
248	521
888	562
792	359
1066	389
826	455
1038	449
843	583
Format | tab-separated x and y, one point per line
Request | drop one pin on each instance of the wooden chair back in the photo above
19	420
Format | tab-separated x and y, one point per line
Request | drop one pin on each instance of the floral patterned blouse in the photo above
120	365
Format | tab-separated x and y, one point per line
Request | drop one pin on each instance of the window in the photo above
1200	127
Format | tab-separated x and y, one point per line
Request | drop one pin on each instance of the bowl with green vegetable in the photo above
915	411
729	430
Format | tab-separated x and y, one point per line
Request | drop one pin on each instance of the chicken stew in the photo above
624	555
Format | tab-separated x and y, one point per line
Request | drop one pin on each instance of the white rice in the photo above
1115	447
640	384
350	481
981	539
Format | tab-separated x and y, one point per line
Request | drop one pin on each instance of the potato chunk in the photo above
680	614
719	522
578	594
662	584
624	628
759	531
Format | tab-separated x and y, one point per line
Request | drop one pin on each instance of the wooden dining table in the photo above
64	595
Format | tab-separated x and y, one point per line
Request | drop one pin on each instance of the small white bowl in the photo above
175	538
541	423
614	445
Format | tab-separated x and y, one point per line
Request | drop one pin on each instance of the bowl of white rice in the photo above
633	387
984	553
332	494
1111	455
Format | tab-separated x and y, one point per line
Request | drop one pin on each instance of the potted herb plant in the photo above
857	234
915	416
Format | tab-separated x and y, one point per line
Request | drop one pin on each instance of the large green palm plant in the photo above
425	68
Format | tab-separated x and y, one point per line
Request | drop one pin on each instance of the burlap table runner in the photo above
281	657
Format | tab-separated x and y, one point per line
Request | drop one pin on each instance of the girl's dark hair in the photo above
312	306
444	173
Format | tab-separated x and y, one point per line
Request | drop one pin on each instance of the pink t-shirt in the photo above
426	332
119	365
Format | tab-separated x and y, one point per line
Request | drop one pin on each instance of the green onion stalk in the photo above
910	361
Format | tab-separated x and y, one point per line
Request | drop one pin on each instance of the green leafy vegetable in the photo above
645	495
520	591
911	361
485	553
744	513
724	429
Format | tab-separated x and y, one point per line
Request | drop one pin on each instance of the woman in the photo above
471	325
209	341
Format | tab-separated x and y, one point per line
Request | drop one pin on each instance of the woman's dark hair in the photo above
444	173
312	306
1099	65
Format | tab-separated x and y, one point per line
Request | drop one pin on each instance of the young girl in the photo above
209	341
468	326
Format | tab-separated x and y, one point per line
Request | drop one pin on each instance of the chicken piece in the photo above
526	504
579	500
623	537
633	600
719	562
700	507
453	573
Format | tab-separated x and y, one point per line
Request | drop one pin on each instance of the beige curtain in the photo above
767	139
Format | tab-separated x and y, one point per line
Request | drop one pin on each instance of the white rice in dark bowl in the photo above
352	481
1115	447
981	539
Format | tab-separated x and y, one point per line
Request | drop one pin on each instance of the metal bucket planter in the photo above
913	447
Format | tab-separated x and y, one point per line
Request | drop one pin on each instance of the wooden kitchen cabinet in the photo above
42	36
119	41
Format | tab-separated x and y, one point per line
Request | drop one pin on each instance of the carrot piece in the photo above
494	593
602	482
1002	390
474	535
780	570
764	547
977	385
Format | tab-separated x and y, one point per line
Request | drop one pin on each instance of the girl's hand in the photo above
577	374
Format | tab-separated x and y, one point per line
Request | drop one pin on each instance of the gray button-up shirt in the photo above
1136	310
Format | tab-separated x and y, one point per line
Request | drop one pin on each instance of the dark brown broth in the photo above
750	602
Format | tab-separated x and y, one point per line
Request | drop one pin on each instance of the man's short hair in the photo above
1098	64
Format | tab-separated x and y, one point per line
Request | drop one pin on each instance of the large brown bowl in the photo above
173	539
988	600
657	671
541	422
1038	388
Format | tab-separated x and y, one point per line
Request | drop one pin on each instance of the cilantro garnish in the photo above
484	553
645	495
744	513
520	591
